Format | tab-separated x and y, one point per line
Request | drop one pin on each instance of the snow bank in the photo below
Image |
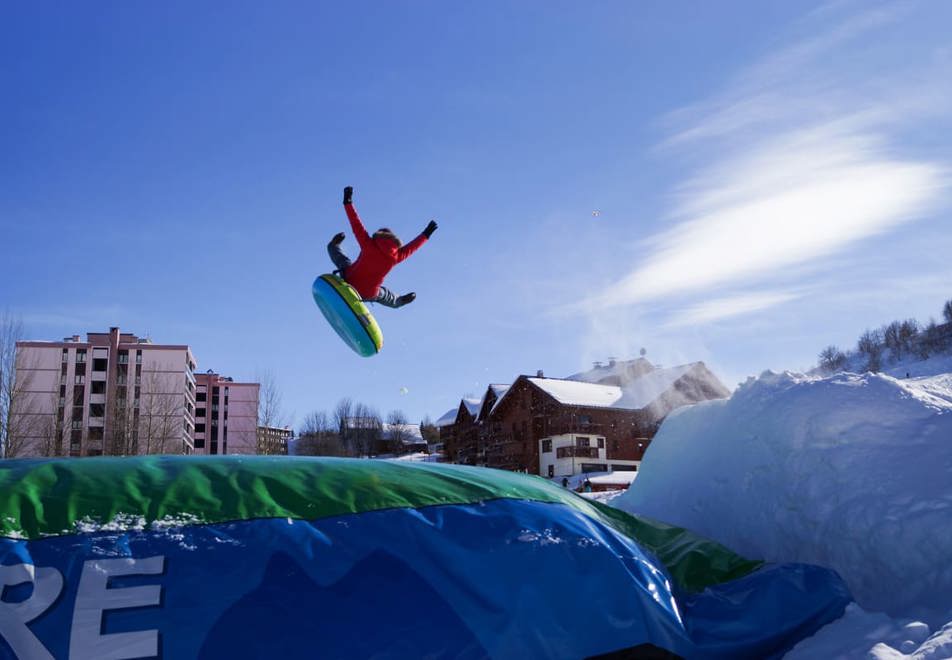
853	472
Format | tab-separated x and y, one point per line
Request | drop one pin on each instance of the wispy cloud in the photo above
788	201
724	308
800	159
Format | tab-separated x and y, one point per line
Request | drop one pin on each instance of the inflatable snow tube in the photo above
347	314
296	557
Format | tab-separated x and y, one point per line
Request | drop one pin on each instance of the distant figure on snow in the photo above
378	255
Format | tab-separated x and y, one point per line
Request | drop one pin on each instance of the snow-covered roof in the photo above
500	389
411	433
617	477
447	418
575	393
472	405
497	389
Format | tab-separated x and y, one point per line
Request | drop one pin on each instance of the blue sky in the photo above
730	182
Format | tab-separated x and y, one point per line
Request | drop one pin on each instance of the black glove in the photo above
348	194
430	228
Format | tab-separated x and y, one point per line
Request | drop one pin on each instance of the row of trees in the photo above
353	428
894	342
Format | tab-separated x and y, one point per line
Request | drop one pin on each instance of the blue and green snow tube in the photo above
347	314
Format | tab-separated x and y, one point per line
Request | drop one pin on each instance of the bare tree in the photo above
398	431
161	416
366	428
947	311
343	412
429	430
832	359
54	440
21	422
270	414
870	345
123	439
892	338
318	437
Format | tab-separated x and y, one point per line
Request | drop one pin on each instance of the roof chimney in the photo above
611	361
539	374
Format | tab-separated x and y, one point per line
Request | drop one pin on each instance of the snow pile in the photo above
853	472
861	635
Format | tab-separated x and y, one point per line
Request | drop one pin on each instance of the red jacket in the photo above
377	257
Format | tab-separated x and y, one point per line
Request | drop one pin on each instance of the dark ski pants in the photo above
385	296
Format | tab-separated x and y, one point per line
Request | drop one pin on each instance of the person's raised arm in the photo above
415	244
363	238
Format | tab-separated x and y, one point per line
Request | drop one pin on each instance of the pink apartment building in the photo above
114	393
119	394
226	415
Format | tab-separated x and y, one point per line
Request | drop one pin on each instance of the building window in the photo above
594	467
65	355
201	396
123	357
546	447
79	379
551	471
99	364
199	442
81	356
601	443
97	410
582	441
77	424
200	412
585	420
200	427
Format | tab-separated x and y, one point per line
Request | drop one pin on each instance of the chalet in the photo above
596	421
459	438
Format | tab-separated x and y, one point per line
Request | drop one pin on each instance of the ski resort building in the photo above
596	421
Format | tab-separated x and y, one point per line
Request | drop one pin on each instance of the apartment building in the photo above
114	393
226	415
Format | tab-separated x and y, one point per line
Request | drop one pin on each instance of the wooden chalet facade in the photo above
527	414
504	428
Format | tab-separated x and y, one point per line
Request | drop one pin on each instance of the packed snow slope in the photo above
852	472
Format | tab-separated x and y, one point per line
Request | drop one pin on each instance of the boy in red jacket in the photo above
378	255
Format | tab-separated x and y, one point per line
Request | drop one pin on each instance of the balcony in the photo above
579	452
